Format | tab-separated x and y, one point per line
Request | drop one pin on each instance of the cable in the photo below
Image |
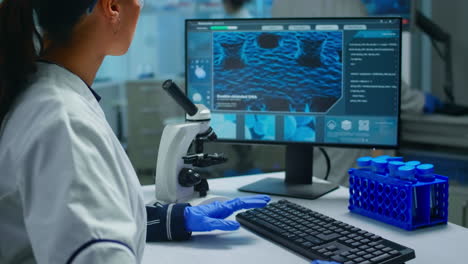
439	51
327	158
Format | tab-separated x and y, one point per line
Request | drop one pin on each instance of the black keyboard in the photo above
317	236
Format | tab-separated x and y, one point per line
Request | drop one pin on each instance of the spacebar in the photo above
269	226
328	237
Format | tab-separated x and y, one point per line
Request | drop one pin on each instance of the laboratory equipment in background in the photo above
317	236
300	83
405	194
392	8
181	152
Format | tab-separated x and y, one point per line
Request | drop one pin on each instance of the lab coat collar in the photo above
73	77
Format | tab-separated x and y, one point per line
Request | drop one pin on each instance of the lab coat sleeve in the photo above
105	252
412	100
166	222
73	193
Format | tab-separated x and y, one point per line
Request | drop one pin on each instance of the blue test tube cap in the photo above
394	165
425	172
384	157
413	163
364	161
406	172
379	165
395	159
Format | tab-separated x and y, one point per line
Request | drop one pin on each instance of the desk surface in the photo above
439	244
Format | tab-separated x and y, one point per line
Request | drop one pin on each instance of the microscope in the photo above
181	152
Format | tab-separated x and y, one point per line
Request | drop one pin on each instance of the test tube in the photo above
425	173
364	162
393	168
395	159
379	166
413	163
407	173
385	157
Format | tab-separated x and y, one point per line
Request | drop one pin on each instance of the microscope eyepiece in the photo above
174	91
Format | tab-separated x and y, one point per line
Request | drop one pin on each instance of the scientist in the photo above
68	193
236	8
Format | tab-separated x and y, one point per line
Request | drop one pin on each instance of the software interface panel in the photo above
314	81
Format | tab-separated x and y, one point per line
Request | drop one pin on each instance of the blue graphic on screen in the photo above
277	71
300	128
388	7
260	127
224	125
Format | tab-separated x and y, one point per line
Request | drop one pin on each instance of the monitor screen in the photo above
400	8
333	82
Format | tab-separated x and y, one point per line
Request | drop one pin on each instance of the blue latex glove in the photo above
431	103
211	216
323	262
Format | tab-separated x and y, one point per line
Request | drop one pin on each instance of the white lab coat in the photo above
67	188
412	101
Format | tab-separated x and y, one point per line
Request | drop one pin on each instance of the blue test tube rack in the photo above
402	203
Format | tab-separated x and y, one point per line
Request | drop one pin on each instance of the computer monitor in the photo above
394	8
298	82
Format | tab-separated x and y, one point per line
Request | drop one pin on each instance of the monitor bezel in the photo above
312	144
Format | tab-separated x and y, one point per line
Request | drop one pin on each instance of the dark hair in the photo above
18	33
236	4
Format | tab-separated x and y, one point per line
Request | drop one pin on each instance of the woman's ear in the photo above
112	12
111	9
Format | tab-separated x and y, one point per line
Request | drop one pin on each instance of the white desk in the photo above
439	244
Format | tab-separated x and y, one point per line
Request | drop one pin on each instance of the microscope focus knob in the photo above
189	177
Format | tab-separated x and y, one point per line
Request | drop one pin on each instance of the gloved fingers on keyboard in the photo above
248	202
220	224
323	262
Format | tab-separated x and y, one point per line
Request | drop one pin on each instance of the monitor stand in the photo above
298	182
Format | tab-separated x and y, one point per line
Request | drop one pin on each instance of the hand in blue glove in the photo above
211	216
323	262
431	103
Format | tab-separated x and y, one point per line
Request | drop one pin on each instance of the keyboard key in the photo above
338	259
313	240
322	250
332	248
378	252
368	256
329	237
387	249
307	244
380	258
270	226
349	262
359	260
